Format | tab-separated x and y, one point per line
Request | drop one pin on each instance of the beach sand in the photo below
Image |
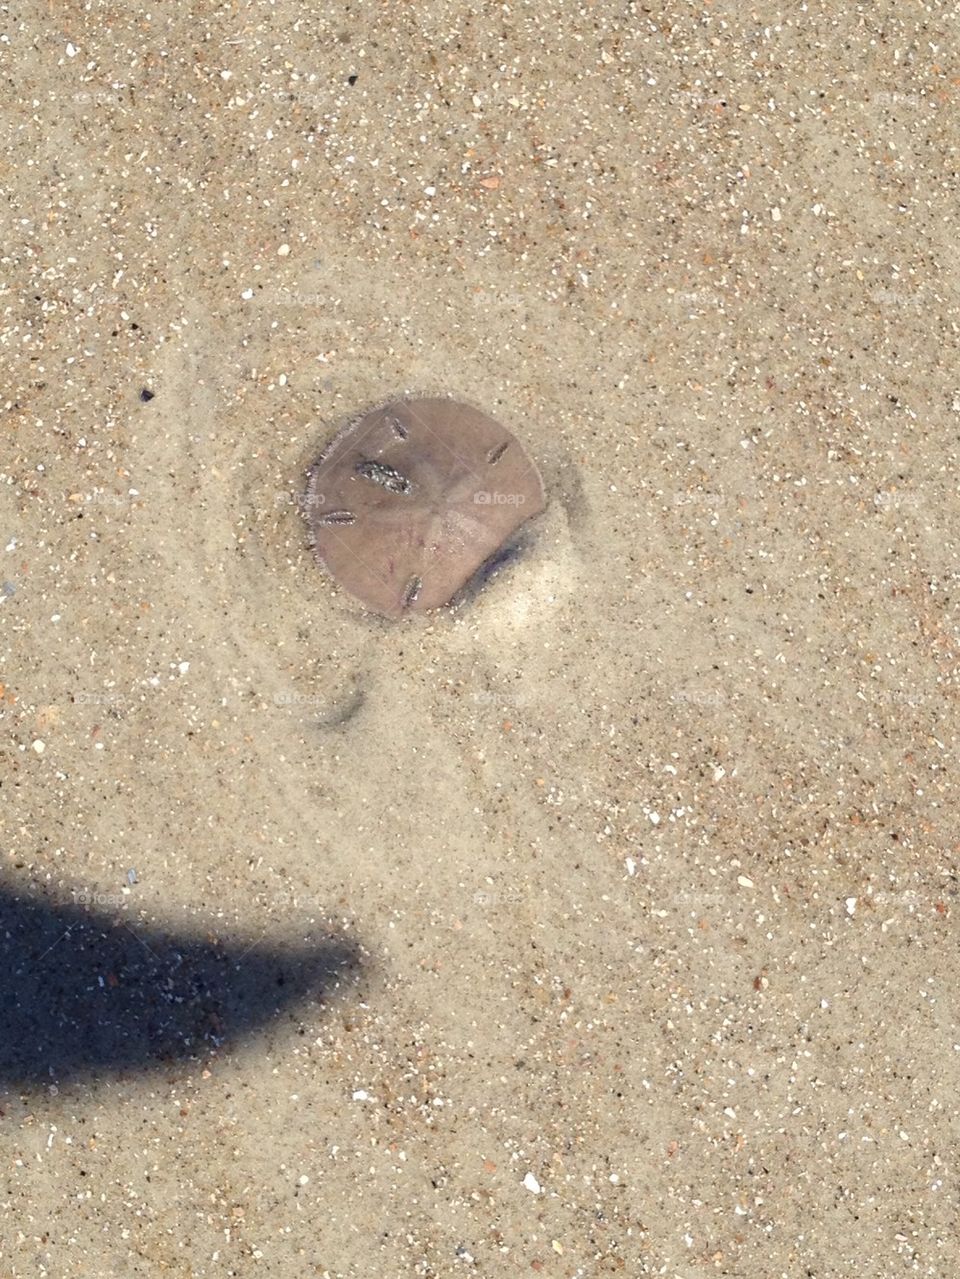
646	851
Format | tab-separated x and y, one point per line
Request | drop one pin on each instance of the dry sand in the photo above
648	850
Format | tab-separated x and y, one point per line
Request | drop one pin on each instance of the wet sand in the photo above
645	853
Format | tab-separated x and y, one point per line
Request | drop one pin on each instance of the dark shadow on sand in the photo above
84	992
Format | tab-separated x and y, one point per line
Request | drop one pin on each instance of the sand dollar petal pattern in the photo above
409	501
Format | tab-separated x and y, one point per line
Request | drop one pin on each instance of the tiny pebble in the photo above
531	1183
